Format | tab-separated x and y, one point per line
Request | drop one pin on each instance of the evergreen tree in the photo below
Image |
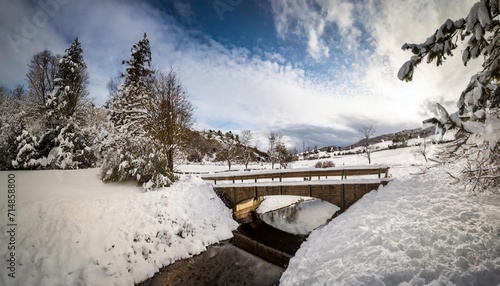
128	110
70	86
478	116
25	154
72	149
135	153
64	144
284	156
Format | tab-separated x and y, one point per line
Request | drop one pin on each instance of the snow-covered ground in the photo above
421	229
418	230
74	230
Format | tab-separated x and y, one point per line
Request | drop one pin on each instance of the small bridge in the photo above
341	192
309	173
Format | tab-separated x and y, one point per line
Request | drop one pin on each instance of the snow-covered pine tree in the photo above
129	106
73	149
63	143
134	153
10	113
70	86
274	140
478	116
25	154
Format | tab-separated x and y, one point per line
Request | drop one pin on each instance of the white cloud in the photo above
234	89
308	19
24	31
369	85
316	47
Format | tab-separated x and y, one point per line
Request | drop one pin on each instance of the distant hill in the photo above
398	136
207	146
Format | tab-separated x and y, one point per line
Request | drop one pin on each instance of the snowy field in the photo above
421	229
74	230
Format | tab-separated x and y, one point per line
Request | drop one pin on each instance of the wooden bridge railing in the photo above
309	173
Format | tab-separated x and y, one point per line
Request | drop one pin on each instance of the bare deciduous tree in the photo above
42	71
171	113
246	136
285	156
367	132
113	86
274	139
422	150
3	95
230	145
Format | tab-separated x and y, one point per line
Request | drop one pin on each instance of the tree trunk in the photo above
170	163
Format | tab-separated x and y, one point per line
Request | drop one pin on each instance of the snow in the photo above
72	229
418	230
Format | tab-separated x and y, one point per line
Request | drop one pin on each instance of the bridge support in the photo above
340	193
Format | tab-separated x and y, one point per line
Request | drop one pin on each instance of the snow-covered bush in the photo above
72	149
25	155
324	164
69	147
477	120
139	160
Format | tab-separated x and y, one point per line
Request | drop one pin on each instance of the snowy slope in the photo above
75	230
418	230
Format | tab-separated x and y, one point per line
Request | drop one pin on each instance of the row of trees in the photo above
54	125
236	148
150	116
136	136
46	126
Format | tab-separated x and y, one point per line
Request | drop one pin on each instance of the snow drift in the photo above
418	230
75	230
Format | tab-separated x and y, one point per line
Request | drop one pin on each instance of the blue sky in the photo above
313	70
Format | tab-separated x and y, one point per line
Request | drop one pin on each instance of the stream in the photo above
226	264
222	264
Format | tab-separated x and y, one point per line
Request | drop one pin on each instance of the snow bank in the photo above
75	230
418	230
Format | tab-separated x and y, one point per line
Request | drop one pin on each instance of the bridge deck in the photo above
342	172
306	183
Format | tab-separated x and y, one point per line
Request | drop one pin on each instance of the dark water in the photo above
272	237
222	264
225	264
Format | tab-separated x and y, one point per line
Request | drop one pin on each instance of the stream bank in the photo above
222	264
